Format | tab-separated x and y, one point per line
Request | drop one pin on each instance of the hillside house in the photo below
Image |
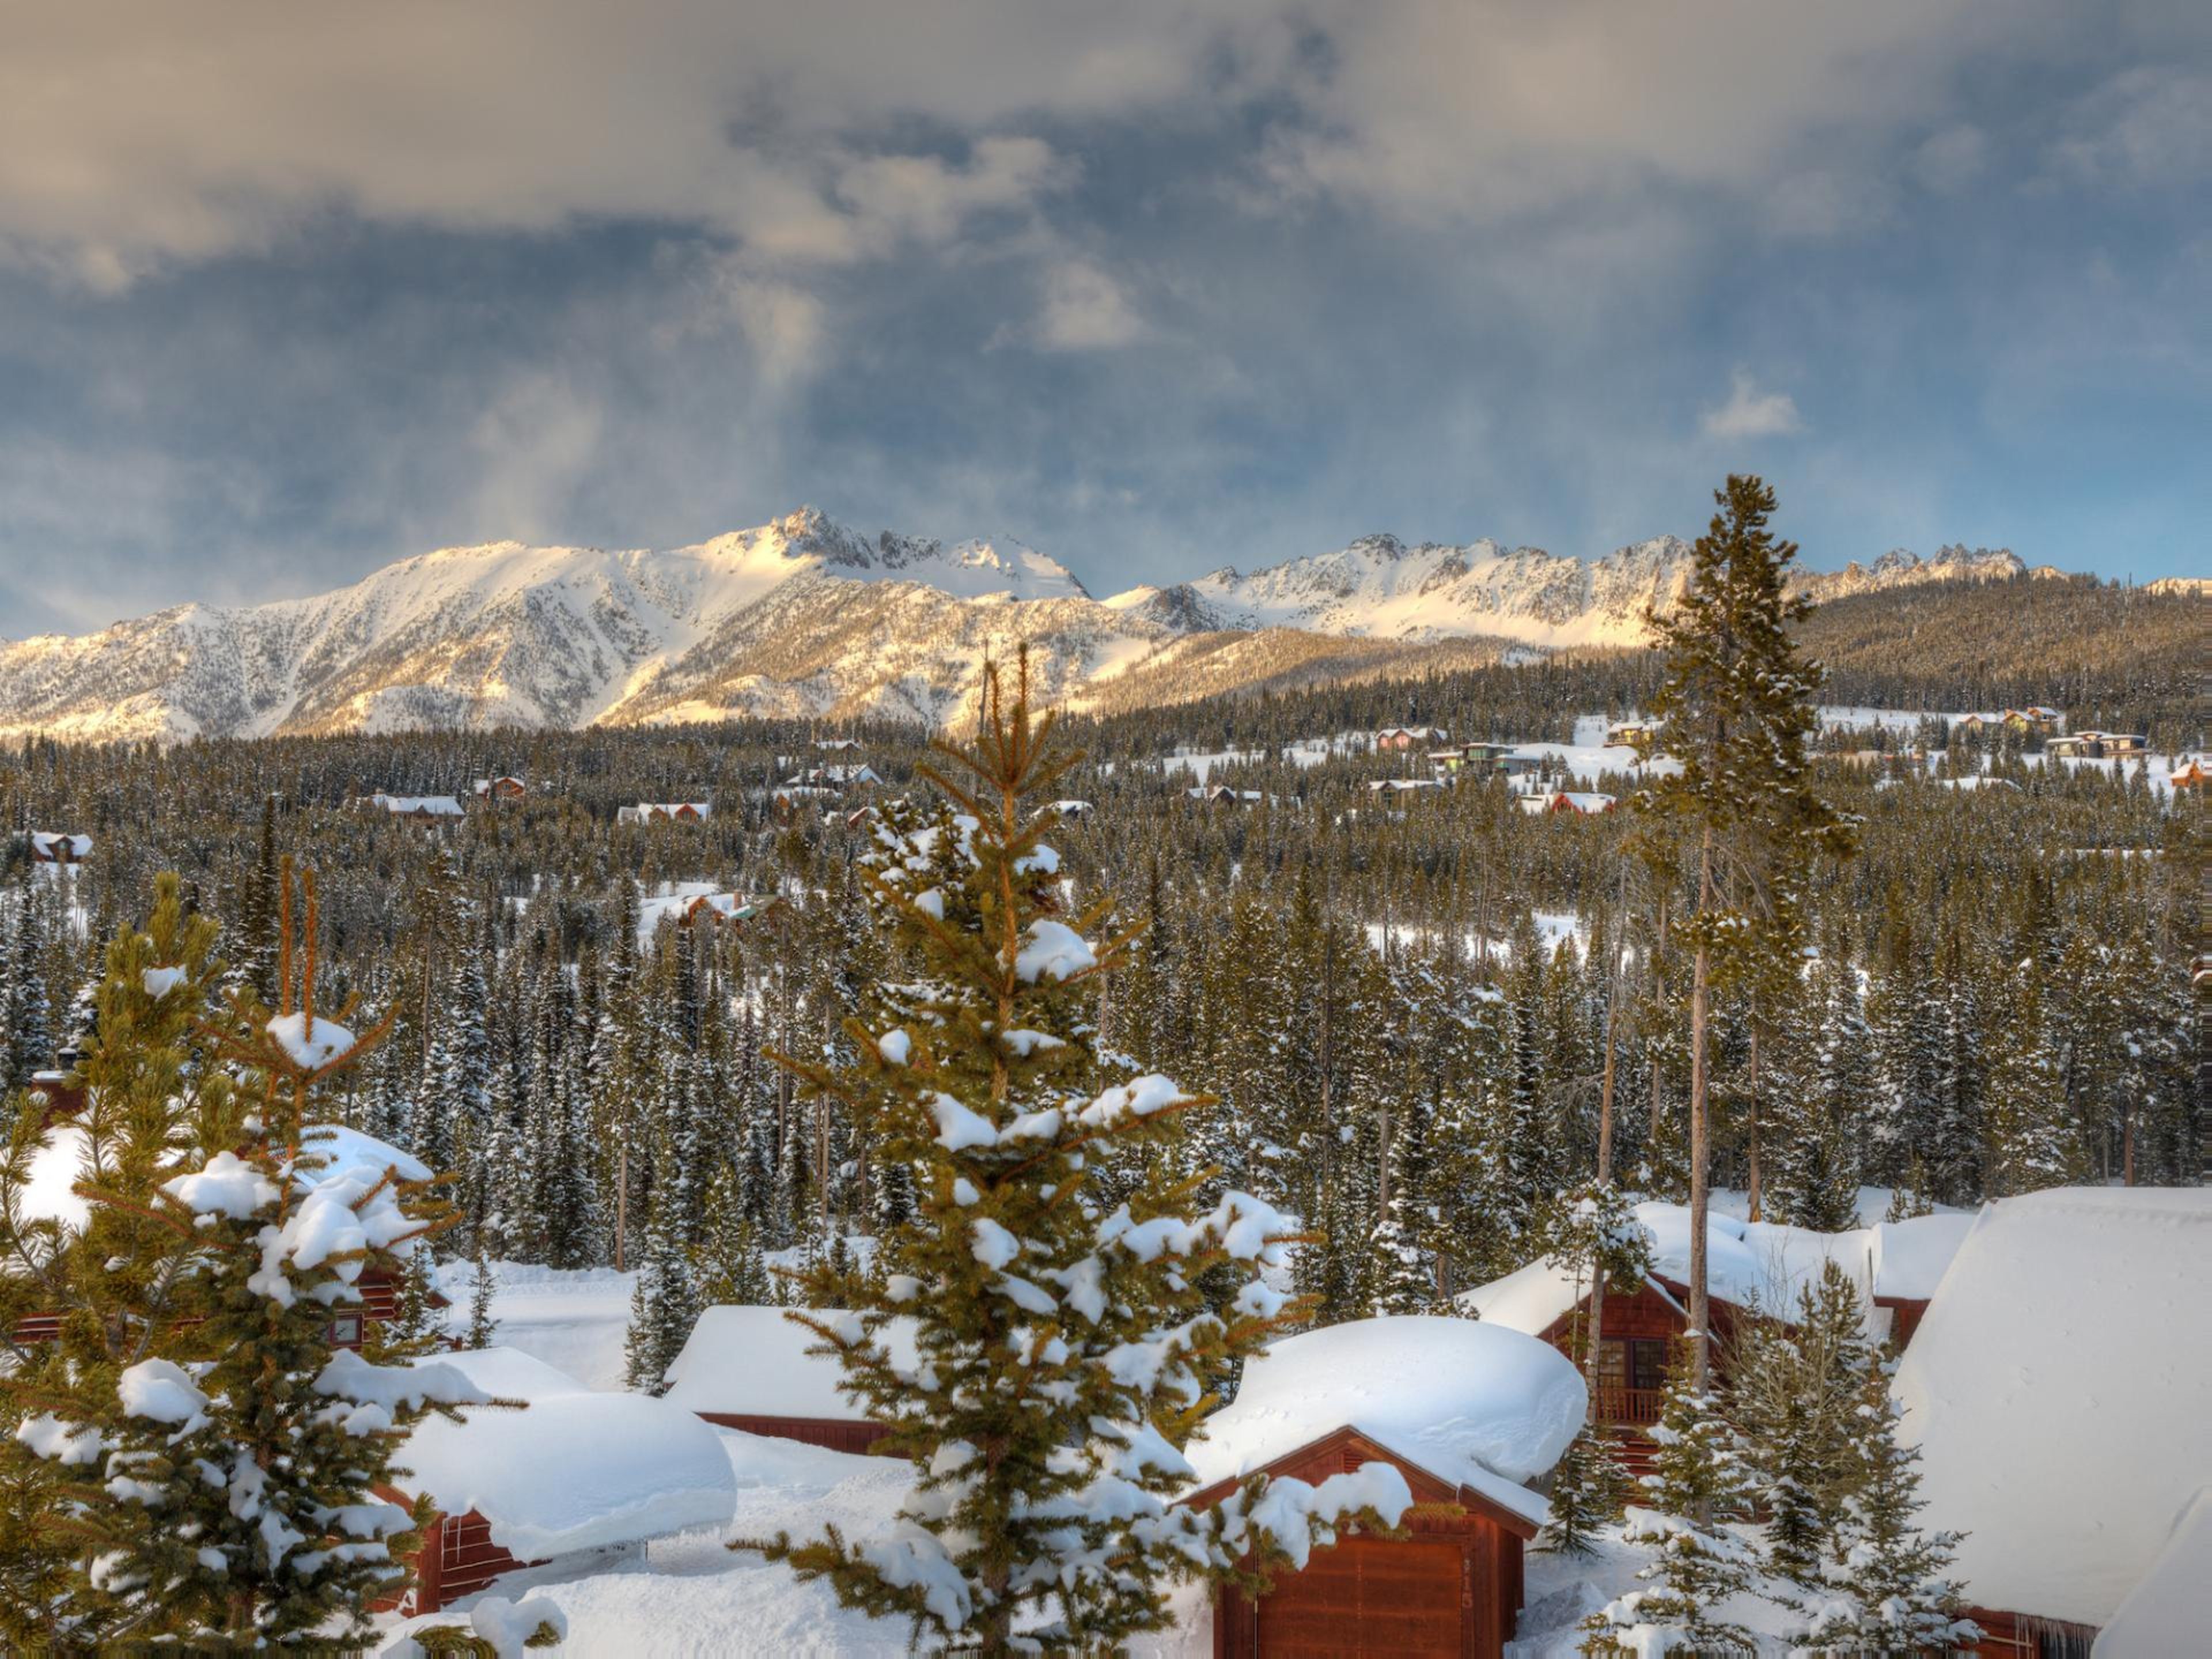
1405	785
1410	737
574	1470
424	808
668	812
493	791
1220	794
1513	763
1445	765
1630	734
2035	718
2058	1390
835	778
54	846
1582	803
2190	774
730	909
838	745
2099	745
1469	1413
751	1369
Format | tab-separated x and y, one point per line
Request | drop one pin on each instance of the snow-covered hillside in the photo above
802	616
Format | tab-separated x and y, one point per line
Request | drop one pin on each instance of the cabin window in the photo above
345	1331
1647	1364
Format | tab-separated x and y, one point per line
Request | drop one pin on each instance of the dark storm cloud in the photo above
287	293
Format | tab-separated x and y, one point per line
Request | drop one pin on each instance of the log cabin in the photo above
1468	1413
56	847
492	791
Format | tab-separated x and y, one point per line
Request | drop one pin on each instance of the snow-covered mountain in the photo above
802	616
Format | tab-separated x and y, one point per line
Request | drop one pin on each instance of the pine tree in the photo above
30	1016
483	1284
1589	1488
1697	1473
1794	1394
664	1306
118	1280
1401	1278
2029	1146
1884	1595
1048	1462
1736	711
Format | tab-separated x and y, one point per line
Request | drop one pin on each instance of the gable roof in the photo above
1473	1405
753	1362
2054	1388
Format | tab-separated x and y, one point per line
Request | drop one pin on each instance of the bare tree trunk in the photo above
1753	1178
1594	1370
1700	999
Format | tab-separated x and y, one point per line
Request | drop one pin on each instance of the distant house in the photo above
499	789
2054	1389
2099	745
1072	809
1410	737
838	745
671	811
859	776
1405	785
2190	774
1582	803
1515	764
52	847
2033	718
749	1368
1220	794
734	909
1629	733
575	1470
1467	1413
427	808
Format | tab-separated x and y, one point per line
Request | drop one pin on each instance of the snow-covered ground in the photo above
575	1321
1565	1589
1552	926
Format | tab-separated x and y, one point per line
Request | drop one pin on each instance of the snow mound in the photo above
2056	1387
310	1050
573	1469
1472	1404
752	1362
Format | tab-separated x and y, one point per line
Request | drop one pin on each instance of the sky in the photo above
287	293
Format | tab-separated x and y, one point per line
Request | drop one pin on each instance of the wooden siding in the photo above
1453	1586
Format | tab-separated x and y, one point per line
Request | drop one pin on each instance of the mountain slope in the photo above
802	616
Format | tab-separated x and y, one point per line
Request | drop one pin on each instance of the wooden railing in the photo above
1631	1408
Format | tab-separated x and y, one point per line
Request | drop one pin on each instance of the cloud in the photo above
2147	127
1751	413
1947	162
1086	310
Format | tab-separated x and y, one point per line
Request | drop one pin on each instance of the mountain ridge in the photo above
803	615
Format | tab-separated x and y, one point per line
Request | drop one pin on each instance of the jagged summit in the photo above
803	615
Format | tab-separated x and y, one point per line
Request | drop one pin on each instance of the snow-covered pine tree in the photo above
2030	1143
1697	1481
30	1012
664	1307
273	1443
117	1280
1736	710
483	1286
1588	1489
1884	1595
1793	1395
1061	1341
1400	1277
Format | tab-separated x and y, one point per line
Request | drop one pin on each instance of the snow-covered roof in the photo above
1747	1262
46	843
752	1362
436	806
2059	1387
573	1469
2166	1613
1910	1257
1473	1404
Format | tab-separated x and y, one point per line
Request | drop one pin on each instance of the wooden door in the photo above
1367	1598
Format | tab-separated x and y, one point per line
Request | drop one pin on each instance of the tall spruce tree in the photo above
1047	1455
1735	710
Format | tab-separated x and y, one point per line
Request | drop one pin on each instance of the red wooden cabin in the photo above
1453	1586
